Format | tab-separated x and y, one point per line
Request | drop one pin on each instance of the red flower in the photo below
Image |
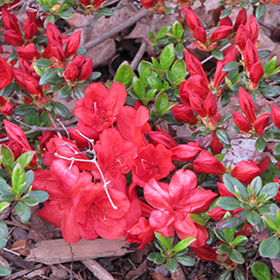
7	109
174	203
151	162
275	115
156	6
205	163
200	34
28	52
246	104
242	35
246	171
241	121
206	253
184	152
72	44
161	137
253	28
197	104
210	105
192	19
6	74
261	123
13	38
221	33
255	75
140	232
184	113
30	28
99	108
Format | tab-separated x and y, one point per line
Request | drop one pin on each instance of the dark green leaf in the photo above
185	260
51	77
94	75
260	11
159	260
31	201
225	13
244	5
223	136
228	203
260	144
40	39
238	274
167	56
240	240
40	195
236	256
61	109
4	271
171	265
232	183
23	109
231	66
23	212
268	91
226	275
105	12
223	249
264	53
153	255
270	189
43	62
255	186
65	14
4	232
269	247
221	235
8	90
260	271
225	99
65	91
253	218
218	54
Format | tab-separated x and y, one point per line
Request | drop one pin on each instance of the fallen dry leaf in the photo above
158	276
21	247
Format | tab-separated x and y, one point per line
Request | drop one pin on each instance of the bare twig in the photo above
142	13
98	270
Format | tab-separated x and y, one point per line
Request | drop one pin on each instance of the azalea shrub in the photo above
118	172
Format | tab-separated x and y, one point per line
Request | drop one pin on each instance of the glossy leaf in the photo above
269	247
124	74
183	244
167	56
171	265
260	271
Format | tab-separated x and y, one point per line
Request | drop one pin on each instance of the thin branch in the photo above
142	13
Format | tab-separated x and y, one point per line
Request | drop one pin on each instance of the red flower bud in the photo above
250	54
246	104
253	28
221	33
7	109
206	163
161	137
156	6
71	72
184	152
246	171
255	75
30	28
13	38
241	121
210	105
215	145
197	104
184	113
3	101
10	21
28	52
242	35
53	34
56	50
261	123
86	70
275	115
240	19
79	60
226	21
6	73
194	66
200	34
72	44
192	19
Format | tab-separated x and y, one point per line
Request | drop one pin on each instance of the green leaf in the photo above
223	136
185	260
143	65
138	87
225	99
23	212
25	159
260	144
124	74
240	240
29	178
178	71
159	260
218	54
65	91
7	157
171	265
270	189
23	109
232	183
183	244
148	72
105	12
223	249
49	18
179	51
260	11
236	256
65	14
31	201
253	218
4	232
164	241
255	186
264	53
238	274
231	66
40	195
18	179
244	5
4	271
167	56
40	39
269	247
161	103
153	255
94	75
155	83
271	65
61	109
228	203
43	62
3	205
221	235
226	275
177	30
163	32
225	13
268	91
51	77
260	271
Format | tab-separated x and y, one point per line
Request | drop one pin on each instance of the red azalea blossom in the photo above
174	203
